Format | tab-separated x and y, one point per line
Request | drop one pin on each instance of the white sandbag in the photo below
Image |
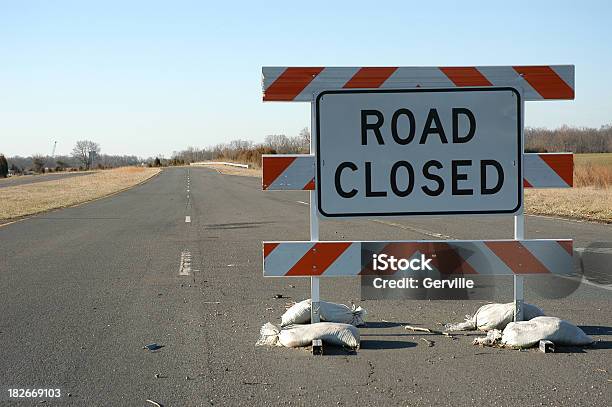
494	316
525	334
493	338
299	313
303	335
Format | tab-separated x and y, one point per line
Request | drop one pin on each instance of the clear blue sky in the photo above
150	77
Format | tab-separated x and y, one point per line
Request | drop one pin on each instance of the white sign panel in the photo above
419	152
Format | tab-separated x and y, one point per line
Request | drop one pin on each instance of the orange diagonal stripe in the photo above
446	259
268	247
290	83
318	259
273	167
562	164
567	245
546	82
517	257
370	77
310	186
465	76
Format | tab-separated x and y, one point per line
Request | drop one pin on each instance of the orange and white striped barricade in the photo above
304	172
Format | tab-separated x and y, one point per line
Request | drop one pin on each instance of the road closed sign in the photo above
419	152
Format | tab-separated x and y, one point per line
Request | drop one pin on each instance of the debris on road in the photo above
527	334
278	296
154	403
302	335
494	316
299	313
431	331
152	347
429	343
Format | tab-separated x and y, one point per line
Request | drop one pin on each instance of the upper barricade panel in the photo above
300	84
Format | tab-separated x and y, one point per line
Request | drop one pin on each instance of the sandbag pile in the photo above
526	334
302	335
299	313
493	316
338	326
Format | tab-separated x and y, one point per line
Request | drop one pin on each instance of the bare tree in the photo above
84	150
39	162
304	138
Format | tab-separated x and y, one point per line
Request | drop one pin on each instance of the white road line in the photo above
185	263
411	228
562	219
187	219
583	280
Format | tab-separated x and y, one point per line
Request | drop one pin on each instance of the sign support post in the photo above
519	234
314	228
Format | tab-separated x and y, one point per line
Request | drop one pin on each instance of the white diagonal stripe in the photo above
507	76
271	74
539	174
347	264
296	176
550	253
412	77
481	258
327	79
284	257
565	72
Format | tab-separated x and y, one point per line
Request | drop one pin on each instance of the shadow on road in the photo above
237	225
385	345
384	324
596	330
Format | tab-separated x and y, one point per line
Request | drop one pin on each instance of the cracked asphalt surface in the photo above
83	289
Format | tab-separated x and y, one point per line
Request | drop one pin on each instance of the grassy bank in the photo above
28	199
590	199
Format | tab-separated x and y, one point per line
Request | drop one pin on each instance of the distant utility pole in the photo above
92	157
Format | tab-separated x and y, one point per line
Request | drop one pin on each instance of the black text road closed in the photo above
419	152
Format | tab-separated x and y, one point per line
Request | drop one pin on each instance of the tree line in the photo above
562	139
569	139
246	151
84	156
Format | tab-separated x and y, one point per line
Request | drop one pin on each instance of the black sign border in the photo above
423	90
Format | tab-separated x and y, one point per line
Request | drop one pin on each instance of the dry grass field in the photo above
28	199
591	197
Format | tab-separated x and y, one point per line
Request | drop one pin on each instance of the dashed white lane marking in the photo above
187	219
185	265
303	203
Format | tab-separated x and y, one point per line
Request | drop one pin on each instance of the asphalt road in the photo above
82	290
32	179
